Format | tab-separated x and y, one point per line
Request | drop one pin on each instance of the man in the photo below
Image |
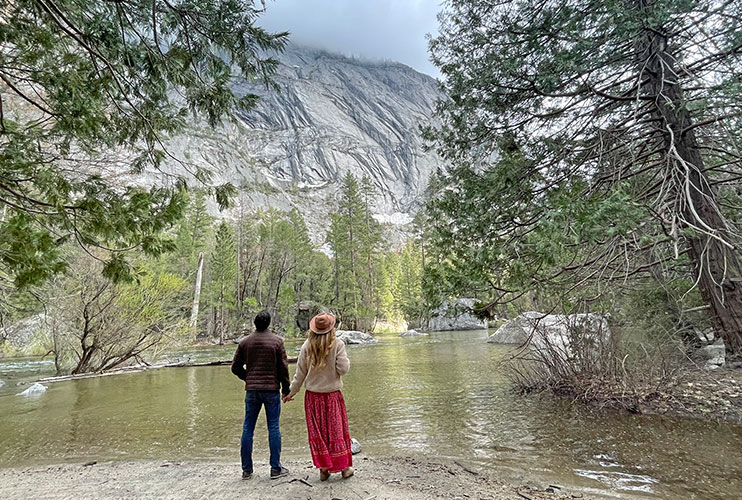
261	362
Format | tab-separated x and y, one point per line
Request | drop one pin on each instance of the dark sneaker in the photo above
246	475
276	473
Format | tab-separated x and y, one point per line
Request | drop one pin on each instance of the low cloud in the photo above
380	29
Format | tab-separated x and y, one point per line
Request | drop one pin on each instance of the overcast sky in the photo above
377	29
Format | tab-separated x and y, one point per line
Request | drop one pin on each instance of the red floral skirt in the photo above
327	427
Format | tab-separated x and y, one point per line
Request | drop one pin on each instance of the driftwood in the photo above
466	469
140	368
303	481
523	496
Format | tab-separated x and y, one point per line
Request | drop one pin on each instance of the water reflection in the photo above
441	396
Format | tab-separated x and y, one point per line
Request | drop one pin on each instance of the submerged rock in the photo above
413	333
34	390
1	383
351	337
456	315
559	333
355	446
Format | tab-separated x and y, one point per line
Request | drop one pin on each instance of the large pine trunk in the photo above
716	263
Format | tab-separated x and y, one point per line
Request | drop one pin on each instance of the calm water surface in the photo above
437	396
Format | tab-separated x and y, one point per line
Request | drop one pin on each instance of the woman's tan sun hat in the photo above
322	323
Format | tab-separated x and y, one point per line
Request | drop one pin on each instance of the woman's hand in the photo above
287	398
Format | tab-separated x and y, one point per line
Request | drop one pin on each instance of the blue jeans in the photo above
254	400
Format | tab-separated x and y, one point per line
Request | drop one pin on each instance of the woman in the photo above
322	361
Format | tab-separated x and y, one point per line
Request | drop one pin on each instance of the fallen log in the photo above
140	368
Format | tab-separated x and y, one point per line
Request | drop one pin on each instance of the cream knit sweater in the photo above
325	379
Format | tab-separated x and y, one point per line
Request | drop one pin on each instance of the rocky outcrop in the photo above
413	333
456	315
353	337
558	333
333	115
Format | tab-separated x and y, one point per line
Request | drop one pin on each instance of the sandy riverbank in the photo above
390	478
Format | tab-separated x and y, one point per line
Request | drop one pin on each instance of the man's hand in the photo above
287	398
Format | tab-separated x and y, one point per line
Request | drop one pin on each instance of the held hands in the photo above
287	398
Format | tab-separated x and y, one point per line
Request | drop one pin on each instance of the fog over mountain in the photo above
333	115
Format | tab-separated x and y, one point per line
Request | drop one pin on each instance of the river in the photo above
438	396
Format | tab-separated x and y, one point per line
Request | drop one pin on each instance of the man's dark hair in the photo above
262	320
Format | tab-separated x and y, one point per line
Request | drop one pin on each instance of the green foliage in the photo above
408	285
222	278
286	309
90	84
584	160
354	239
659	311
192	234
95	324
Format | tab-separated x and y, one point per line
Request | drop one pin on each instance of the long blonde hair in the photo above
318	348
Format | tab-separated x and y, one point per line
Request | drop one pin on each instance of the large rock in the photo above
559	333
305	311
34	390
352	337
713	356
355	446
456	315
413	333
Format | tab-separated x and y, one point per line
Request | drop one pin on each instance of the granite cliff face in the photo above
333	115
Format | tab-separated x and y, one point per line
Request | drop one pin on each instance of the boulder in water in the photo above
34	390
353	337
559	333
456	315
355	446
413	333
518	330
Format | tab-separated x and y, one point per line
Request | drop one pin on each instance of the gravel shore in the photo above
389	478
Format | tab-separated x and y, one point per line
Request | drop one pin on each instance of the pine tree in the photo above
192	235
354	237
222	279
408	285
371	237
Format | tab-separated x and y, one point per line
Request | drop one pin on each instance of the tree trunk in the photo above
220	311
197	295
716	264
